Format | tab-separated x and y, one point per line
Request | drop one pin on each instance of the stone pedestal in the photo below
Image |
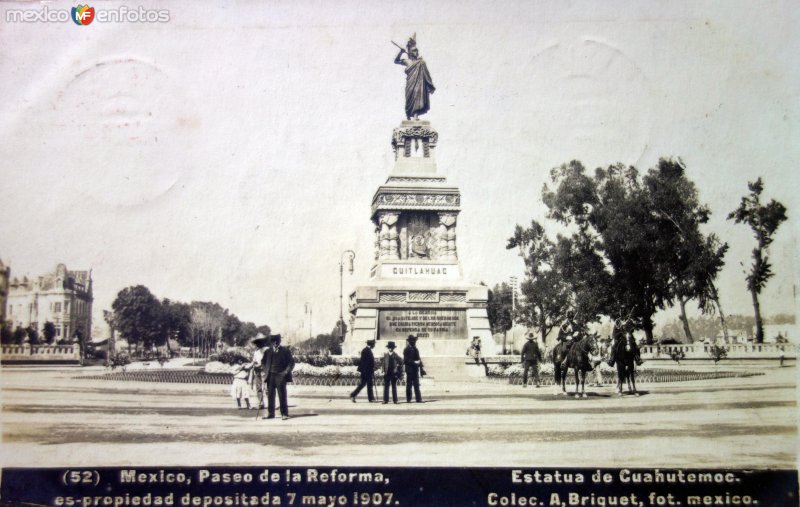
416	284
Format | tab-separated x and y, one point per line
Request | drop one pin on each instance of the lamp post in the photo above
308	310
351	255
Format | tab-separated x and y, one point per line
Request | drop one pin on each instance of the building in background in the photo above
62	297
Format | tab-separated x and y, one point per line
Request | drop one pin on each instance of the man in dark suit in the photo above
413	364
366	367
392	370
277	365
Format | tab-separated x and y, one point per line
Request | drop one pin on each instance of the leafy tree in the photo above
325	342
207	322
247	331
499	308
696	260
582	267
137	315
764	220
710	256
231	327
636	244
49	332
20	333
614	217
33	334
544	293
176	323
6	333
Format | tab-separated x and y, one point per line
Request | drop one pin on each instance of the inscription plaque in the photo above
426	324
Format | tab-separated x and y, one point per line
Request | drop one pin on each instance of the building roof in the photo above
60	278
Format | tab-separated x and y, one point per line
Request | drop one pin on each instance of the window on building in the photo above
57	307
58	330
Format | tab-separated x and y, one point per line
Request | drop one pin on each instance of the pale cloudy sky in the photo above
231	154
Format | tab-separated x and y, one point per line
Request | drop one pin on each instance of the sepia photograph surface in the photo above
403	234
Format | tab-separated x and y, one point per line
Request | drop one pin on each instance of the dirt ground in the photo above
51	418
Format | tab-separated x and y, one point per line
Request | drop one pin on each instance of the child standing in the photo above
240	390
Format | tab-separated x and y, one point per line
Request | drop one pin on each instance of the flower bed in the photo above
219	373
513	374
216	372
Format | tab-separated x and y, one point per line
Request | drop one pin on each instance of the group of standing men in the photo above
272	367
393	368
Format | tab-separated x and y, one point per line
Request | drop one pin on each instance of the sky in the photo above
231	153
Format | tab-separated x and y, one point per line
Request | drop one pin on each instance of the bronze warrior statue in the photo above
419	84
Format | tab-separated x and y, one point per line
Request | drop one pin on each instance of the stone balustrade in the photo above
39	353
734	350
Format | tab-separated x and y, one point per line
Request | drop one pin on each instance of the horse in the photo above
577	358
625	353
559	355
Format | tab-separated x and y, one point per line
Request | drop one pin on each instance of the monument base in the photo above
444	316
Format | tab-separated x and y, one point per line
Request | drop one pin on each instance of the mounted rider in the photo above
569	331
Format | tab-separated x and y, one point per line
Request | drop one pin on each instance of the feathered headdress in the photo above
412	42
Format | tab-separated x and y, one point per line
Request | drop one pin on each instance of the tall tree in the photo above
6	333
207	322
614	220
33	335
499	308
176	322
695	259
137	315
231	329
544	293
582	268
711	256
247	331
764	220
49	332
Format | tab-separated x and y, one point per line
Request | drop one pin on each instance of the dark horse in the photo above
573	355
625	353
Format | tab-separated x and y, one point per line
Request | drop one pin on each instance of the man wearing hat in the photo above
531	355
413	364
392	370
277	365
366	367
568	329
257	377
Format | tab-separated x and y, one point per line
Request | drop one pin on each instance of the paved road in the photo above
50	418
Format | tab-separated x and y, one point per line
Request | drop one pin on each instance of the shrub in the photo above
162	358
717	353
316	358
121	360
677	355
231	356
512	370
